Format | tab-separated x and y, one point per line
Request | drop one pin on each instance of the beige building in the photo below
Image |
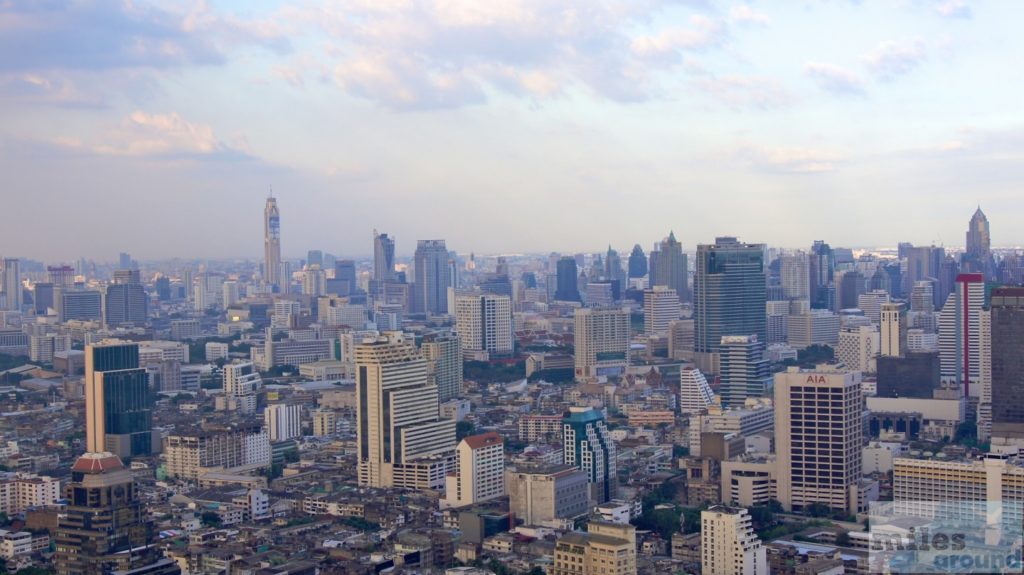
681	339
858	348
20	491
484	324
543	495
604	549
401	440
602	341
480	472
998	477
661	308
728	544
443	353
190	456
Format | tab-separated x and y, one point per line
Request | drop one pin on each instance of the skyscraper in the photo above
567	280
587	445
125	301
104	527
795	276
272	243
728	543
613	267
602	341
637	262
743	369
480	475
383	258
924	264
12	284
959	332
443	352
661	307
433	276
118	403
893	330
819	462
669	267
61	276
241	384
729	296
401	440
694	392
1007	324
821	270
283	421
978	253
484	324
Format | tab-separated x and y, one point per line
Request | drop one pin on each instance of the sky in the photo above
505	126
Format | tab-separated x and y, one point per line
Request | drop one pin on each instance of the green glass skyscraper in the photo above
119	406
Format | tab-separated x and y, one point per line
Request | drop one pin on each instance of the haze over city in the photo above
506	126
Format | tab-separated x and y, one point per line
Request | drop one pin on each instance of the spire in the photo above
270	194
672	237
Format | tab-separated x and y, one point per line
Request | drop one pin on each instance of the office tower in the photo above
695	394
125	300
602	341
119	407
637	263
604	549
959	332
680	339
314	281
432	276
61	276
315	258
12	284
443	352
923	264
850	286
75	304
345	274
231	294
922	298
272	271
871	304
587	445
661	307
728	543
984	427
858	347
729	295
125	261
283	421
484	325
602	293
383	258
42	297
480	471
819	417
208	291
669	267
1007	332
794	275
978	253
401	440
816	327
567	278
914	374
105	527
744	370
613	267
188	284
821	271
540	495
893	336
242	383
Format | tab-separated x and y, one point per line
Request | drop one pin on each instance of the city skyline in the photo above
890	121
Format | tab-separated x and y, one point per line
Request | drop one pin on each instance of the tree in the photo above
211	519
843	539
819	510
464	429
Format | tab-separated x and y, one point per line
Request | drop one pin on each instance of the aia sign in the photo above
816	379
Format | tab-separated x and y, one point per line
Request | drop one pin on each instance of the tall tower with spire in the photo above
978	253
271	242
669	267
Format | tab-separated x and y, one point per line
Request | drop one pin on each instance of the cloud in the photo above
703	33
158	136
746	15
891	60
746	91
954	9
835	79
793	160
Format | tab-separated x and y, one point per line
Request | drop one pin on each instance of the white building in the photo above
858	347
283	422
20	491
191	455
921	340
695	394
602	341
871	304
960	333
216	350
893	330
480	471
484	324
817	327
661	307
728	543
241	384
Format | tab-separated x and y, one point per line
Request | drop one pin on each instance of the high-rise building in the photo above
315	258
567	280
794	275
208	291
484	325
669	267
893	337
12	284
744	370
104	528
604	549
959	332
272	270
925	264
231	294
695	394
978	255
984	426
587	445
345	277
119	405
728	543
661	307
443	353
871	304
613	267
314	281
283	421
190	455
383	258
819	416
1007	360
125	261
850	285
242	383
61	276
400	438
541	495
602	341
729	296
433	277
125	301
821	271
637	262
480	471
858	347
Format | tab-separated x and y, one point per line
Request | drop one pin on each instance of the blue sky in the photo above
506	125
